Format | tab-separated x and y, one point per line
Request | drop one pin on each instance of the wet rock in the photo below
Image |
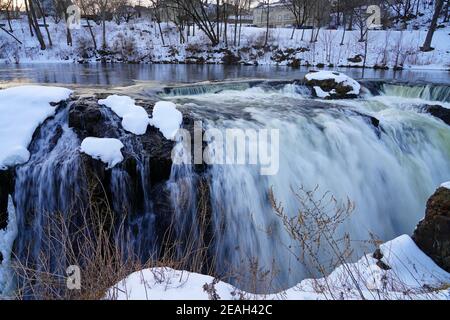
378	254
85	117
432	235
439	112
383	266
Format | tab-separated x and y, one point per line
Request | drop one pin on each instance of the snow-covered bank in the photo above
402	272
141	42
446	185
22	110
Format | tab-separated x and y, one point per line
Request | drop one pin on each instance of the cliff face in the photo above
432	235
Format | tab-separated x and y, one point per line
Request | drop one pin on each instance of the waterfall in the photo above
425	92
388	172
49	187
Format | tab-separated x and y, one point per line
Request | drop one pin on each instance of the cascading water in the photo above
137	203
51	182
389	172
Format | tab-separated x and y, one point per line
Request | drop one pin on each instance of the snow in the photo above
134	118
320	93
22	110
7	238
105	149
411	274
166	118
446	185
338	77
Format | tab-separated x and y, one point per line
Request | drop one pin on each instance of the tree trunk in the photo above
35	24
447	8
161	32
94	41
104	30
30	22
41	11
8	15
427	44
268	24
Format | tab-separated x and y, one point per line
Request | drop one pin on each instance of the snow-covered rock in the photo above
134	118
22	110
411	275
331	84
446	185
166	118
105	149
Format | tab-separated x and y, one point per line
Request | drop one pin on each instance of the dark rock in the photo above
85	117
439	112
295	63
229	58
383	266
432	235
378	254
336	90
356	59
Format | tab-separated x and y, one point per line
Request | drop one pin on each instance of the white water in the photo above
388	173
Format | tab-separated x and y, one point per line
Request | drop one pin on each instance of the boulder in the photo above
440	112
432	235
332	85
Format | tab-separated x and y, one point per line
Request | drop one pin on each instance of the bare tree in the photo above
33	22
301	11
43	13
437	11
87	9
197	11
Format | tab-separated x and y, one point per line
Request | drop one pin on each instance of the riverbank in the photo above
142	43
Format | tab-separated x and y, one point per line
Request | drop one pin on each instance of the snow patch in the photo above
338	77
7	238
105	149
320	93
167	119
411	273
446	185
22	110
134	118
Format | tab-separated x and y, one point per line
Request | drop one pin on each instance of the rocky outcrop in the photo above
332	85
432	235
440	112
